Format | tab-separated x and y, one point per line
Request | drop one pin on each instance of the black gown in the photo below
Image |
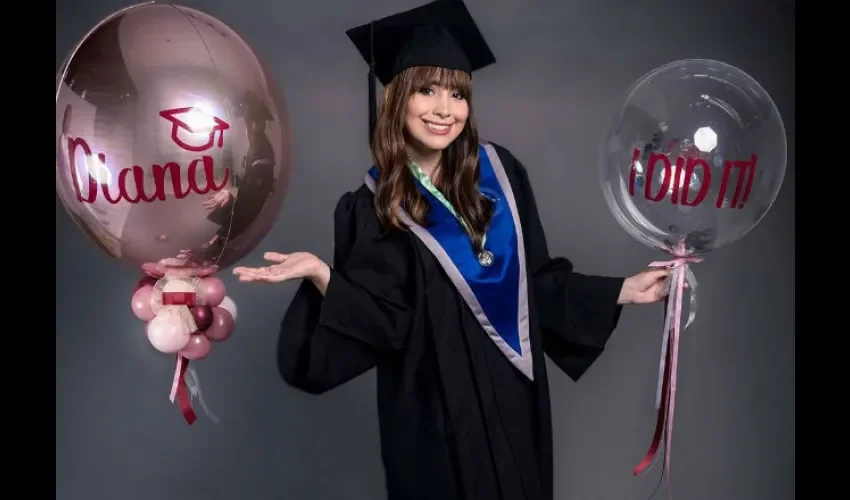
256	185
458	419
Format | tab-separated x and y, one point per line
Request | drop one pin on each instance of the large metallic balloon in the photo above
694	157
172	138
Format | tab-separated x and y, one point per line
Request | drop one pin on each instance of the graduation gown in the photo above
464	409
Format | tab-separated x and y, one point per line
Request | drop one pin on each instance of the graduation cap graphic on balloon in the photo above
195	121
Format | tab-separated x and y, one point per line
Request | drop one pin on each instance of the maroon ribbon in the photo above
661	420
179	299
183	398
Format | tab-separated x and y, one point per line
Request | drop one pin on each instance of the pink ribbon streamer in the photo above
665	402
178	375
178	384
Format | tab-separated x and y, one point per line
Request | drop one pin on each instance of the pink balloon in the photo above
211	290
199	347
168	175
141	303
167	333
222	325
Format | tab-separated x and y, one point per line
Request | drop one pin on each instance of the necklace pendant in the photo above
485	258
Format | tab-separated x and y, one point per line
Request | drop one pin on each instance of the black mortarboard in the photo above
441	33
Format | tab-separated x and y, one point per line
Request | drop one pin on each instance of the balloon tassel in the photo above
666	392
180	391
194	385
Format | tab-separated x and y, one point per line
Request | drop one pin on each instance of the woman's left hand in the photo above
645	287
217	200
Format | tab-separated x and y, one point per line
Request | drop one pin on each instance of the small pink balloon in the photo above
199	347
222	325
167	333
141	303
211	290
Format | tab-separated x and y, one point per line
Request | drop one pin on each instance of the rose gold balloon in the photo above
198	347
172	137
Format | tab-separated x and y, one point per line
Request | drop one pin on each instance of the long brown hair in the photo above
459	168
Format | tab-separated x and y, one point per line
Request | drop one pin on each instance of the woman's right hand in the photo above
298	265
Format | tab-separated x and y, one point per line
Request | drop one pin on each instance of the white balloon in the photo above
228	305
167	332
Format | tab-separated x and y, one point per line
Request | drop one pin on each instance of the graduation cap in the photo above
194	121
441	33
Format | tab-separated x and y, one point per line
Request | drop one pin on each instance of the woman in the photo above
236	212
456	313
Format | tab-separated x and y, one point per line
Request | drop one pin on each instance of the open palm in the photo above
286	267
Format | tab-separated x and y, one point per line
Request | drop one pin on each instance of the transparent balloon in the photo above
694	157
172	138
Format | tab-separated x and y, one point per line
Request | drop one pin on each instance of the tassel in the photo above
373	98
373	111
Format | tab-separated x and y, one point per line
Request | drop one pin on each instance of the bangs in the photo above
425	76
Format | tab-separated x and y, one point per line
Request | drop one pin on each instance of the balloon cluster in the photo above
186	309
172	156
184	315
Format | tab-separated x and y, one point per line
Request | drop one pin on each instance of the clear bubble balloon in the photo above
694	157
172	138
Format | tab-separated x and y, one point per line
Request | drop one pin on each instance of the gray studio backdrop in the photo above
561	64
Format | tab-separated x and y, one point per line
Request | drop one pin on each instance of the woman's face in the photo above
435	117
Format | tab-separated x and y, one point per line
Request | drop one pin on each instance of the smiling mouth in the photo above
437	127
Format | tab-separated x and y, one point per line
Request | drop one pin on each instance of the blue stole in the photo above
496	294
